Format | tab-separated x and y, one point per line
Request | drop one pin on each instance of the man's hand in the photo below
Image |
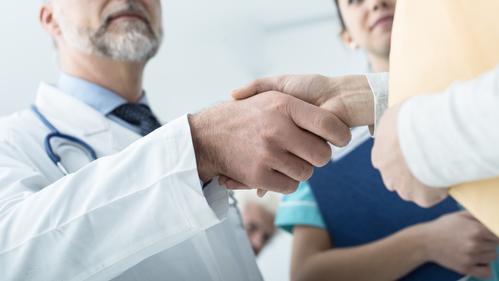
348	97
270	141
388	158
461	243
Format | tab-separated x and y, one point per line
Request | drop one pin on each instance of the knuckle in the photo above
280	101
266	158
472	246
424	202
477	232
402	194
269	136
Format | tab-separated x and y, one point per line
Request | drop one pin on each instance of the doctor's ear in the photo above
348	40
48	21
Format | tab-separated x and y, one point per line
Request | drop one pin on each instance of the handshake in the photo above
278	129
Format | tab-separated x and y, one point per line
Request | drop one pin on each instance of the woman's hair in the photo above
340	16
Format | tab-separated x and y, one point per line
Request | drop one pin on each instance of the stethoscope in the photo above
55	134
90	152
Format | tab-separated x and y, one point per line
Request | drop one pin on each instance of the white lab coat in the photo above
137	213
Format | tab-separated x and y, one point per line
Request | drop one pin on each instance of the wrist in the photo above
204	159
423	237
353	97
418	237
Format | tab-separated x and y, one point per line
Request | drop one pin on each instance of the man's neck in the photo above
123	78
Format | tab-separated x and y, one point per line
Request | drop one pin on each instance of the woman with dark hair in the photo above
347	226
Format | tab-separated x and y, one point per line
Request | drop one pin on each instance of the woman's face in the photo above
368	24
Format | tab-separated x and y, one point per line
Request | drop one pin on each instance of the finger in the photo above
375	158
490	237
487	235
222	180
465	214
481	271
482	247
388	183
426	199
256	87
293	167
486	258
235	185
306	146
277	182
319	122
261	193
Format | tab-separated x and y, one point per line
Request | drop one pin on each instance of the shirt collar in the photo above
99	98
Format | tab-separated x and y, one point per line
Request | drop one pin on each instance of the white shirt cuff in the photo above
379	86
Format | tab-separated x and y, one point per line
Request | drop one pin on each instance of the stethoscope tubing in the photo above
54	133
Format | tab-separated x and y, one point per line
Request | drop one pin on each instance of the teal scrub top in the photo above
299	208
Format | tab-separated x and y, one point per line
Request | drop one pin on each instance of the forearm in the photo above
387	259
451	138
107	216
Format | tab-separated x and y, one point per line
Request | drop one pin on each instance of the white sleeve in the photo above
452	137
105	218
379	86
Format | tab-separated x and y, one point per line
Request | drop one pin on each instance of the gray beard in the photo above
131	41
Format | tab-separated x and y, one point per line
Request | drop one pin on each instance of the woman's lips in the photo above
383	22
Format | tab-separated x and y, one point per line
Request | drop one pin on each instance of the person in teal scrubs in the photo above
367	25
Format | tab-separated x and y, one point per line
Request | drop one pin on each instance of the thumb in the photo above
257	87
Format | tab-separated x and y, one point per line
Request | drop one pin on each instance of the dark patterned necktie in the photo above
139	115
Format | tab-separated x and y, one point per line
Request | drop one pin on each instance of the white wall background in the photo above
211	47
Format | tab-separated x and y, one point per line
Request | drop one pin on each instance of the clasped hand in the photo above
351	100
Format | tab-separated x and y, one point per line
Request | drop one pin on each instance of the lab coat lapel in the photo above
73	117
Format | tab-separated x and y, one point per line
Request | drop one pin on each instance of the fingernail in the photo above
222	180
261	193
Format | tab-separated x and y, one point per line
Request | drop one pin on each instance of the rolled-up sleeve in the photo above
452	137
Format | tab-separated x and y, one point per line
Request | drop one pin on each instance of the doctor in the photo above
147	207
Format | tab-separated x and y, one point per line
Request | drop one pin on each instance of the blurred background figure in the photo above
258	216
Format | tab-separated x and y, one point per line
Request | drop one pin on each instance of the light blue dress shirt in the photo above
99	98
